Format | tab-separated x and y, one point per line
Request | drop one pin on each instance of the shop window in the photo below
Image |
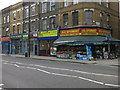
52	5
27	12
14	16
33	10
18	29
44	7
108	19
8	18
13	30
33	26
65	3
65	19
44	24
75	1
75	18
88	17
18	14
52	21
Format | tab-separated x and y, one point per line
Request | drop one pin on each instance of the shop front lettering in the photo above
16	36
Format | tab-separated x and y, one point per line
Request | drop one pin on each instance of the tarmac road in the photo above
32	73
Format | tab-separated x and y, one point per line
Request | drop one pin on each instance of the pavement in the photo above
108	62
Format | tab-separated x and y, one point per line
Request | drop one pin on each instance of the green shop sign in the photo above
25	37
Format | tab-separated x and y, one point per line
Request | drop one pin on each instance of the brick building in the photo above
47	20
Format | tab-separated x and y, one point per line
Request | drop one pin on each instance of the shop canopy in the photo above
85	40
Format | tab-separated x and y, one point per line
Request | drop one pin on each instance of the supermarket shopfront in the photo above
45	41
83	43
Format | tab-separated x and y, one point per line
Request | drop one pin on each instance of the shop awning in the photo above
85	40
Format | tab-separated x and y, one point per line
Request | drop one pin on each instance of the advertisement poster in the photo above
53	51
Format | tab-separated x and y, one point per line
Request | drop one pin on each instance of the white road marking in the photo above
65	75
78	71
1	85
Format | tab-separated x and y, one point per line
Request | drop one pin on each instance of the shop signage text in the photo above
85	31
25	37
50	33
16	36
5	39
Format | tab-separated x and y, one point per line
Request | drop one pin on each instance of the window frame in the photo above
27	12
89	19
32	10
74	23
18	29
52	5
44	7
65	19
44	25
52	24
75	2
66	3
14	16
14	31
19	13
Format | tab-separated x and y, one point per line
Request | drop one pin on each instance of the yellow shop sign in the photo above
50	33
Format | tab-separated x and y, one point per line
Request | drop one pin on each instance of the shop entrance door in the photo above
35	49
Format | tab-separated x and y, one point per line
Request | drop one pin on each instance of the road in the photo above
33	73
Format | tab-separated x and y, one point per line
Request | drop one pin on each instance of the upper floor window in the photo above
18	12
14	16
65	3
8	18
13	30
44	7
108	19
75	18
65	19
107	3
27	12
26	29
52	5
44	24
33	10
100	2
4	20
3	31
33	26
88	17
101	16
75	1
7	30
18	29
52	22
88	0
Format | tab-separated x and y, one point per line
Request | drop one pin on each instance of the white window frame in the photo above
27	12
100	2
14	16
18	12
52	4
65	3
32	10
44	9
44	24
19	29
107	3
75	2
8	18
4	20
14	32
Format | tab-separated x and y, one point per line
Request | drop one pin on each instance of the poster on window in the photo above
53	50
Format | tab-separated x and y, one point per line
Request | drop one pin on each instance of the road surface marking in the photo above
78	71
66	75
1	86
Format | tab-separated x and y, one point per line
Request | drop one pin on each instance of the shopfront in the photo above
5	45
33	43
45	41
16	44
83	43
